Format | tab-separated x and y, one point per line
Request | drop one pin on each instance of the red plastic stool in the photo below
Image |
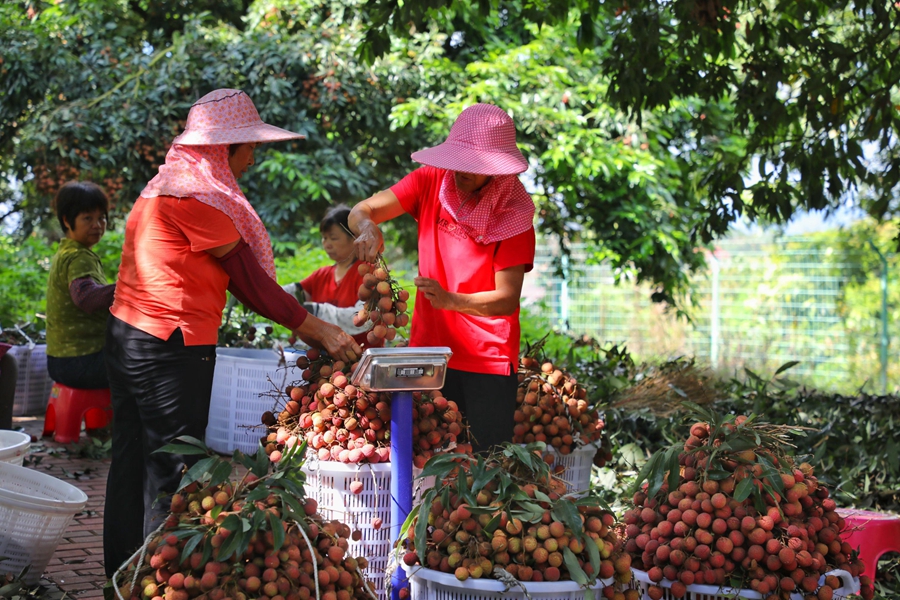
67	407
873	533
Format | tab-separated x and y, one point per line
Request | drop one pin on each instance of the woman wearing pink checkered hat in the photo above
190	236
476	242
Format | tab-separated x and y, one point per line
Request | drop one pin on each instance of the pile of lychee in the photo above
507	512
739	513
552	407
343	423
385	304
242	540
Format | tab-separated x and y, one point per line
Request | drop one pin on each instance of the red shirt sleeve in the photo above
204	226
411	188
313	284
515	251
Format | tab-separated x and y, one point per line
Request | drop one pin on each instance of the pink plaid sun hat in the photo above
228	117
482	141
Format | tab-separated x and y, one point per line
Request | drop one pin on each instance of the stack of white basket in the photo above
33	383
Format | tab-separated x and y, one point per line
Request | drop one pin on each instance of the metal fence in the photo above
762	303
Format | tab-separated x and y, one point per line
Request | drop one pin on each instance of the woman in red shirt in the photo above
190	236
337	285
476	242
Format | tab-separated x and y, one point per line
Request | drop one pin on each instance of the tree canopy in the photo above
648	127
810	86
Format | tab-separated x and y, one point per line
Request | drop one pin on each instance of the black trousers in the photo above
82	372
160	390
487	402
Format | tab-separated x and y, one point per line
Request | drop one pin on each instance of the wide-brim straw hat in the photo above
229	117
482	141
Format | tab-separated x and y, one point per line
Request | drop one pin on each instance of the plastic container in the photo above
14	446
33	384
35	510
850	586
427	584
236	404
329	484
578	464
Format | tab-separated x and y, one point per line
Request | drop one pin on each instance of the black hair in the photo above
336	215
77	197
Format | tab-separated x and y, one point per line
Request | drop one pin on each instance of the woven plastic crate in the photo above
235	406
578	464
329	484
33	384
850	586
14	446
427	584
35	510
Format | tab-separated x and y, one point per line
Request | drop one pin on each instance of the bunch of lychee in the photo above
197	556
516	520
743	515
341	422
552	407
385	304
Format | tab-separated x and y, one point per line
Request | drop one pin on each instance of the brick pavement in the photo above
77	565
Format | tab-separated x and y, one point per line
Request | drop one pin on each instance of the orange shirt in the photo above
167	280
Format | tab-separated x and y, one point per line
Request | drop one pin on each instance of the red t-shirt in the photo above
322	287
479	344
167	280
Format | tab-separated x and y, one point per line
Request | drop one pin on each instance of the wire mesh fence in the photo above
762	303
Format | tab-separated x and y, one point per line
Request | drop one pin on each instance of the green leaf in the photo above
198	471
184	449
787	366
743	489
190	545
575	571
277	529
718	474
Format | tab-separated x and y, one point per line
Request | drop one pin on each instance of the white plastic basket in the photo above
329	484
35	510
14	446
427	584
850	586
235	406
33	384
578	464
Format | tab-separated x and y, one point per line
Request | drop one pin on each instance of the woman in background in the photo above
336	285
78	297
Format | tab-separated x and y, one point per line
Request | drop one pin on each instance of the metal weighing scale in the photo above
401	371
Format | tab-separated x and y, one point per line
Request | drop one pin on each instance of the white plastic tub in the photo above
14	446
35	510
427	584
849	586
236	404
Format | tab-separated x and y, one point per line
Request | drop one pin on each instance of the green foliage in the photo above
105	102
23	278
805	86
505	474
